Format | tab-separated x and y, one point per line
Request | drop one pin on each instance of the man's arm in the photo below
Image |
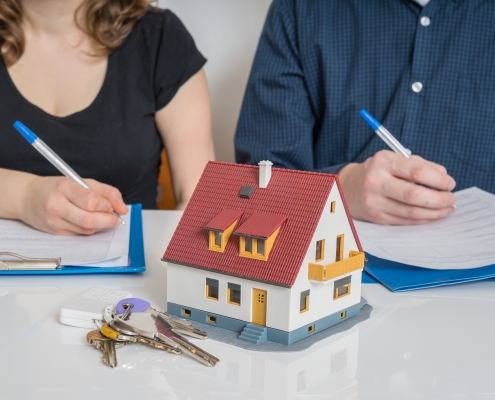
277	120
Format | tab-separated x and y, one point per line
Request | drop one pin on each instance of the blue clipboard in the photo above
136	254
402	277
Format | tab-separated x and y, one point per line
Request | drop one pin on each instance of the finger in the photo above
90	221
438	167
419	171
60	226
414	213
86	199
110	193
388	219
411	194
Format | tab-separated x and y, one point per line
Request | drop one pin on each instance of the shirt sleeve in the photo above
277	121
178	60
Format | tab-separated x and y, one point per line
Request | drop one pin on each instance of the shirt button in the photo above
417	87
425	21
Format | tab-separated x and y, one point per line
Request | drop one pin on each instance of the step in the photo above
250	340
253	331
249	335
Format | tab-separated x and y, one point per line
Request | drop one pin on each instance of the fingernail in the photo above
454	207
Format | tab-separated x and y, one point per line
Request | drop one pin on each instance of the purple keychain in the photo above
138	305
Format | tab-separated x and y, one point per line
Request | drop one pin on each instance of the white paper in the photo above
465	239
17	237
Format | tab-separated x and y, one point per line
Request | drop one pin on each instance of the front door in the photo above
259	307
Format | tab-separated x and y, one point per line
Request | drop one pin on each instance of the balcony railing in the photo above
322	273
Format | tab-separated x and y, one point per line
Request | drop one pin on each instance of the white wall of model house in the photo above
283	304
321	302
193	294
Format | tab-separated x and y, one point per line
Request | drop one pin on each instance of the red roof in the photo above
297	195
261	225
223	220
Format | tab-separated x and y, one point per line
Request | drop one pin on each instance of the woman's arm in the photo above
185	127
58	205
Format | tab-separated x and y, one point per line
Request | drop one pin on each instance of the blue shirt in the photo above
319	62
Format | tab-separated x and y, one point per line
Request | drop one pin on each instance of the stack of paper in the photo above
108	251
459	248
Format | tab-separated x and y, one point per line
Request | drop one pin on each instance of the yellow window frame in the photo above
306	308
229	290
254	253
322	250
332	207
225	238
208	296
336	292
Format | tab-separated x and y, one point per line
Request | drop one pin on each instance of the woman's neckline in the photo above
66	117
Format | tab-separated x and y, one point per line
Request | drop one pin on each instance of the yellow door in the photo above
259	307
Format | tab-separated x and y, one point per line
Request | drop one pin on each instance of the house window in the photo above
261	246
211	289
311	328
342	287
211	319
320	250
218	238
304	302
234	294
343	314
249	244
332	207
256	247
339	254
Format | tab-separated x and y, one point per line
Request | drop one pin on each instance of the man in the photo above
425	69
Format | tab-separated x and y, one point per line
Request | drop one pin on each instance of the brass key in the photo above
106	345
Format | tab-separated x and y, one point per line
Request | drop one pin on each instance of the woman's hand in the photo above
60	206
391	189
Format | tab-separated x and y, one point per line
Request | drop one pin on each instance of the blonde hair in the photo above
108	22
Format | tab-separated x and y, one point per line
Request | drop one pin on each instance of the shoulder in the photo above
158	22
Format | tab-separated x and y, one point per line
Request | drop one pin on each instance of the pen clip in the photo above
26	263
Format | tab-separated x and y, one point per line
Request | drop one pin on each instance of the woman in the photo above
105	83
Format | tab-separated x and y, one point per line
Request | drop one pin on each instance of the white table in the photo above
428	344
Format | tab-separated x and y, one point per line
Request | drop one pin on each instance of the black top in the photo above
115	139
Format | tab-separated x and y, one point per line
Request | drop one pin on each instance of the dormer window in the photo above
220	228
257	235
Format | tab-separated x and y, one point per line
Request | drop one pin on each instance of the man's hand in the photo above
390	189
60	206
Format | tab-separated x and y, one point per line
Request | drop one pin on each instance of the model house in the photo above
270	253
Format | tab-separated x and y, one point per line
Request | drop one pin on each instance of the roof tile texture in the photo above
223	220
261	225
299	196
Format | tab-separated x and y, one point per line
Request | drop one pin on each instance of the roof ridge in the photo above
285	170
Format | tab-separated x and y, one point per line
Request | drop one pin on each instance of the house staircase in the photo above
254	333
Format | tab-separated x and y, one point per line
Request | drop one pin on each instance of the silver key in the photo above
180	326
120	332
154	326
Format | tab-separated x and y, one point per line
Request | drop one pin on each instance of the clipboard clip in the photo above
21	263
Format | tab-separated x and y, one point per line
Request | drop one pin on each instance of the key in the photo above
111	333
104	344
154	326
180	326
114	334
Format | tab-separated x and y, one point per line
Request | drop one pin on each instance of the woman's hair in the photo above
108	22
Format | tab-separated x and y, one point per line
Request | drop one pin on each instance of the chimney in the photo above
265	173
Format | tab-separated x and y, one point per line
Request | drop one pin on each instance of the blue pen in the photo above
50	155
384	134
